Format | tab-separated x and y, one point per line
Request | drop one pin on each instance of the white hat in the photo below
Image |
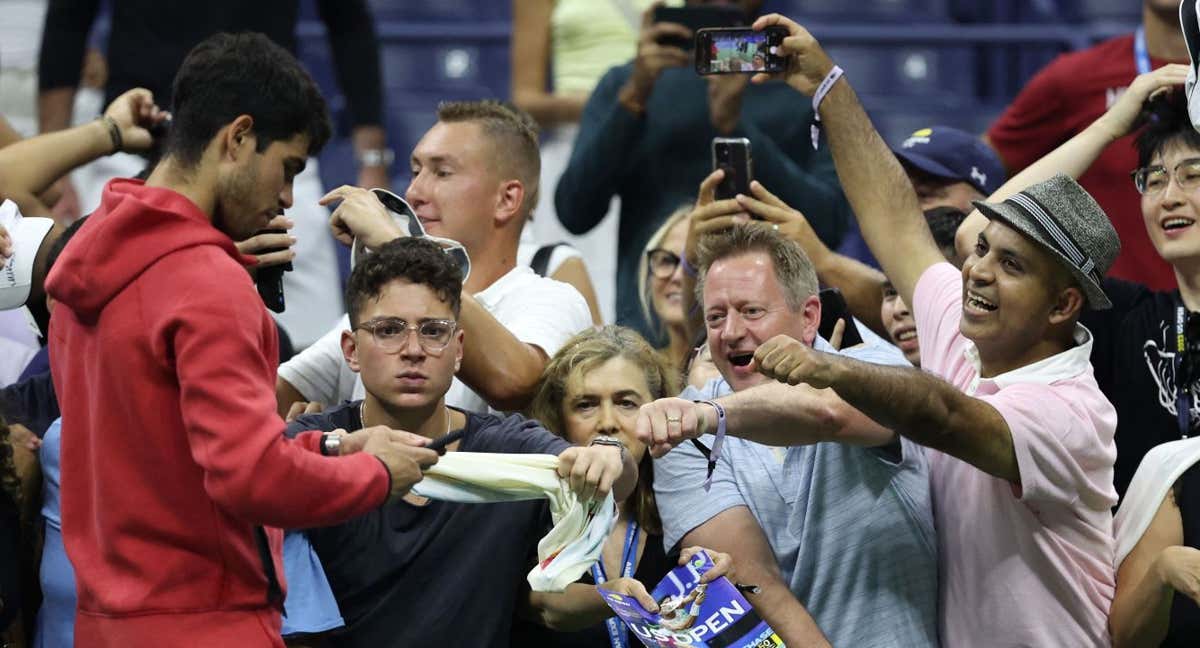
16	276
1190	25
407	220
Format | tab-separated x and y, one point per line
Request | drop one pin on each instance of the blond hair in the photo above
585	352
513	135
793	268
643	273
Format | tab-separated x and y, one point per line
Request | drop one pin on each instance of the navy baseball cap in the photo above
950	153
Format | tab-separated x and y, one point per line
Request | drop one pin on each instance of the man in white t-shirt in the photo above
475	180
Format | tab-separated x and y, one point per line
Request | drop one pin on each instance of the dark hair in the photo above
56	248
416	260
943	224
513	135
10	483
1167	124
228	75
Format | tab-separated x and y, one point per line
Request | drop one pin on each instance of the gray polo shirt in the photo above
851	528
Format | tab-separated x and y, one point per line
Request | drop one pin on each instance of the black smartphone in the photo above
270	280
834	308
739	50
732	155
697	18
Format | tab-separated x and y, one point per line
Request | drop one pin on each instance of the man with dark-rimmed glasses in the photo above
402	575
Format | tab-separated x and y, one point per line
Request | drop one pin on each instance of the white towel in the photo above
580	528
1158	472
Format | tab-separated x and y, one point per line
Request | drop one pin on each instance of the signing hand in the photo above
791	361
6	245
257	245
135	112
807	63
591	470
360	216
667	422
403	453
1122	118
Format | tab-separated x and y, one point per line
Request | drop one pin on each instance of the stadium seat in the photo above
441	10
460	69
866	10
917	70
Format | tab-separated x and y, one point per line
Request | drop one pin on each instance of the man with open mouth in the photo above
1018	435
803	520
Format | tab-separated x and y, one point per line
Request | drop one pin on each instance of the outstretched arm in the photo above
29	166
914	403
879	192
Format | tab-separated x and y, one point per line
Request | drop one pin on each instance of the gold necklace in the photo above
362	415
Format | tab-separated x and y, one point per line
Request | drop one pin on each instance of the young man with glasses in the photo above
411	573
475	175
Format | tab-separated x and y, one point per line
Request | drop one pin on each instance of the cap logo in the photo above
979	176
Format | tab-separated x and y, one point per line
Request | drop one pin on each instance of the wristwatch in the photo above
609	441
380	157
331	444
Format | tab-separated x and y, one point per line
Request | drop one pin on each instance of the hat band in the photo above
1034	209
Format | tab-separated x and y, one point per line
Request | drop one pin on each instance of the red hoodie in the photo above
164	362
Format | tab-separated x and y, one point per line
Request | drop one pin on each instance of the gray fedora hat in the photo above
1063	218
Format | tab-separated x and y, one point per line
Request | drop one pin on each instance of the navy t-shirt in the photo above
440	574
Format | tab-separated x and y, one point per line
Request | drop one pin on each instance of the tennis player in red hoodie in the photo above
173	458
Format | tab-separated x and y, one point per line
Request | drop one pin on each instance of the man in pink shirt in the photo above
1020	437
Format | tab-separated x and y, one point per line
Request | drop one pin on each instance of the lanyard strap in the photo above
1183	386
1141	57
616	628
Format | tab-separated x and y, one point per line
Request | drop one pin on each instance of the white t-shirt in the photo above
538	311
528	248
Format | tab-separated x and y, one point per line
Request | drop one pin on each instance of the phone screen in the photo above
732	51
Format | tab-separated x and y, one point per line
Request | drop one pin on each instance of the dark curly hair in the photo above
416	260
228	75
1167	124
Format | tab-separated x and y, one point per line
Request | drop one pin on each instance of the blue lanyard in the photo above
1141	58
616	627
1183	386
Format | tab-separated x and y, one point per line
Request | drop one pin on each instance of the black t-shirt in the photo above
652	567
440	574
1185	614
31	402
1133	355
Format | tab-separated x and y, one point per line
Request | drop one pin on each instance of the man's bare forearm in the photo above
879	192
31	165
785	415
929	411
54	109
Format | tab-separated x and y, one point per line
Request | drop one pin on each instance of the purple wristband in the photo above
718	441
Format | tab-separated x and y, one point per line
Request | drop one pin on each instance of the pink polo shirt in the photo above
1027	565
